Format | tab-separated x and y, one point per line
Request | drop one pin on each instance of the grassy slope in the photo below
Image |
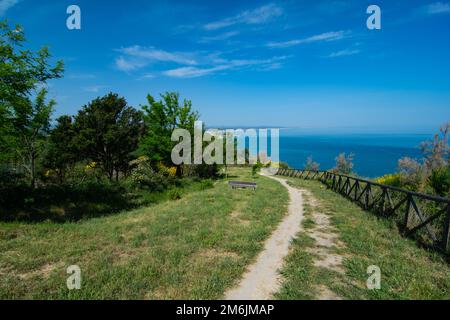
192	248
407	271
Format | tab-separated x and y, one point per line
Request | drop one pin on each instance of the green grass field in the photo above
192	248
200	245
407	271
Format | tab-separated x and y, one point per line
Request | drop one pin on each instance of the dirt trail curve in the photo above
262	279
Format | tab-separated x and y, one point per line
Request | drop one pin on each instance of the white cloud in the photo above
128	64
95	88
151	53
327	36
192	72
7	4
437	7
342	53
219	37
259	15
137	57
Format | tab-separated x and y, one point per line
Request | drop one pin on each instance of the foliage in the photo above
201	171
108	132
440	181
161	118
344	163
390	180
170	172
311	164
23	74
412	174
437	151
144	176
31	121
62	153
256	167
174	194
22	70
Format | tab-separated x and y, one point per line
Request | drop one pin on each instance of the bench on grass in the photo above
240	184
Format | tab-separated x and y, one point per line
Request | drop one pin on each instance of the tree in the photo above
437	151
161	118
62	151
22	122
107	132
22	70
31	123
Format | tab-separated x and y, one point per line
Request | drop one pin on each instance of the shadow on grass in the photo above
61	203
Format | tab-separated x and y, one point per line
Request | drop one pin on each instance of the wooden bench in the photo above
240	184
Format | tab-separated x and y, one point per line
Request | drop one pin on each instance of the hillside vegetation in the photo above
407	271
191	248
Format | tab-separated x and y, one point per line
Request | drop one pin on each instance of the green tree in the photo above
161	118
108	132
22	73
31	123
62	153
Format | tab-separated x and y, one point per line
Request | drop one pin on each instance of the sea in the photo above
374	154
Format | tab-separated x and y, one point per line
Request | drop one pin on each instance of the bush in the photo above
440	181
206	184
62	202
311	164
390	180
10	177
143	176
256	167
204	171
413	175
174	194
344	163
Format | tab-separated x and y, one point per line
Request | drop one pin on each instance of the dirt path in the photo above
262	279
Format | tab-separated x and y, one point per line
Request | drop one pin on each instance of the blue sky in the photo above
308	64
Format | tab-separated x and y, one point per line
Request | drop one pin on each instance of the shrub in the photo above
344	163
10	177
437	151
311	164
167	171
413	175
256	167
204	171
206	184
174	194
390	180
440	181
143	176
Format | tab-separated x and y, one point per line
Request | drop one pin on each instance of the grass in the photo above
67	202
407	271
191	248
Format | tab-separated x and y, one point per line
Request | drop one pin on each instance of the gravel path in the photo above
262	279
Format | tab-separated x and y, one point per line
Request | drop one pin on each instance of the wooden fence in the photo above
422	216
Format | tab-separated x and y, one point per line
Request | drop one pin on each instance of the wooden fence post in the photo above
366	200
446	239
408	211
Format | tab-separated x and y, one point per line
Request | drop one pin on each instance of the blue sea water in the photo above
374	154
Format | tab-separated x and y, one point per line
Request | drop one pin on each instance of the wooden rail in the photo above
423	216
